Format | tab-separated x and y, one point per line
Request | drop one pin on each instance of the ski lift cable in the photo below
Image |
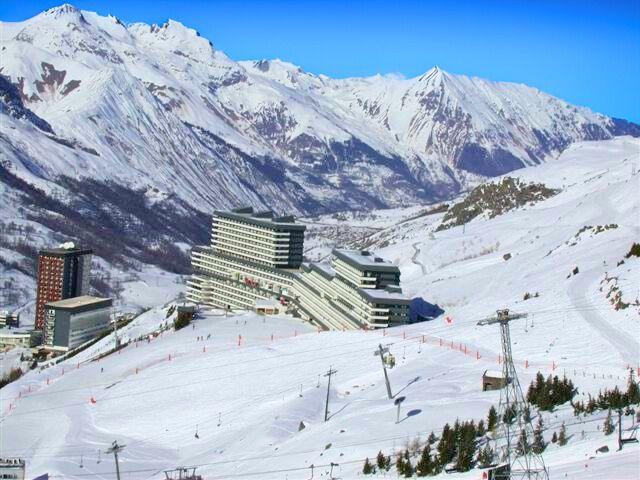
547	427
407	339
300	352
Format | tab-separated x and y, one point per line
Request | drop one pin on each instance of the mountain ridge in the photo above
382	140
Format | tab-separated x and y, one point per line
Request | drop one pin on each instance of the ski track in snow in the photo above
626	345
414	258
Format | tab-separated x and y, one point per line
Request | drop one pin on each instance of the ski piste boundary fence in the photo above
405	334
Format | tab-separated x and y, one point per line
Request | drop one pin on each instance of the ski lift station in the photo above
257	256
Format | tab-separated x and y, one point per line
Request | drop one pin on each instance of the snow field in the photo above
244	401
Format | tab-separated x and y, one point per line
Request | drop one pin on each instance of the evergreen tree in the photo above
432	438
554	437
425	465
408	468
446	446
466	452
526	414
368	468
509	414
485	456
400	466
608	424
382	462
522	446
562	436
481	430
538	439
492	419
535	389
633	390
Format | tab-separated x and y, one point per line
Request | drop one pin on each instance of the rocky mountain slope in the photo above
136	132
159	107
246	402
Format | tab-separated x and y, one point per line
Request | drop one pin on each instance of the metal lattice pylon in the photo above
522	461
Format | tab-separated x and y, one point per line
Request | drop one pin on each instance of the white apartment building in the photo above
12	468
256	256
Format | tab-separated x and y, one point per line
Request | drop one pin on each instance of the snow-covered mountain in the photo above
125	137
158	107
236	410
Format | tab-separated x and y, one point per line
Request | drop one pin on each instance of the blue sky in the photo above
585	52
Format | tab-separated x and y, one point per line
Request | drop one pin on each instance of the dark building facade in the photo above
63	272
71	322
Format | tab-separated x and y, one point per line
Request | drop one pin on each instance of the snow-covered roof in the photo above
80	303
363	259
264	218
385	296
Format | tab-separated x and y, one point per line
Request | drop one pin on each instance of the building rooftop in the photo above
12	334
67	248
78	303
264	303
387	296
365	260
264	218
492	374
324	269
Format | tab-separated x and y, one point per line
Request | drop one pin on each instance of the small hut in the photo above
267	307
492	380
186	312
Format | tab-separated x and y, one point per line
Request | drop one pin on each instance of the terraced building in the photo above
257	255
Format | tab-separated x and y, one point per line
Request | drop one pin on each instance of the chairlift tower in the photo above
116	449
521	461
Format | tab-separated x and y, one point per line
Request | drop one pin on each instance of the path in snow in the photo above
626	345
414	258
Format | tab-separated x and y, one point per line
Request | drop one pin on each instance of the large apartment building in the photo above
257	256
73	321
63	272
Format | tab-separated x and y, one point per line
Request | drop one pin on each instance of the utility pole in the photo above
619	429
115	327
381	351
527	464
326	405
115	449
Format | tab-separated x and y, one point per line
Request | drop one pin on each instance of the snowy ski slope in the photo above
246	396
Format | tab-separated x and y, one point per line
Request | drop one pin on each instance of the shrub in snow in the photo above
368	469
634	251
538	445
485	456
181	322
608	427
383	462
562	436
13	375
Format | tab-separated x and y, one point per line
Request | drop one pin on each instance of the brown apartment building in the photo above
63	272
